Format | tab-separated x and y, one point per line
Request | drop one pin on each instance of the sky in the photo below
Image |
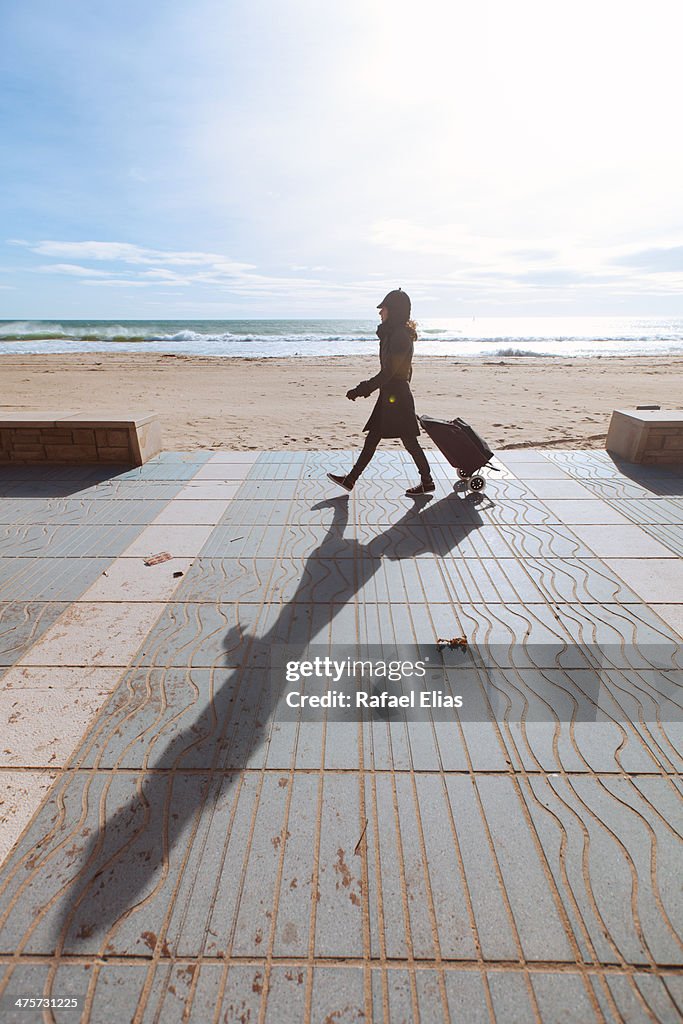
252	158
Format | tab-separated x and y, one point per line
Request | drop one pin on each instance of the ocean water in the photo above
459	337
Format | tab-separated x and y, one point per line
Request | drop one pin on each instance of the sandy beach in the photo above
269	404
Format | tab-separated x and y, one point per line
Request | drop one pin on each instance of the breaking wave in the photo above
460	337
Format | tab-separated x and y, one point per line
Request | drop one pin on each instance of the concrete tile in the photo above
337	455
201	636
223	471
467	997
544	470
339	917
179	541
48	579
619	843
510	996
173	718
511	623
129	579
285	470
62	680
430	998
403	540
446	882
254	918
20	796
589	511
487	580
588	455
672	615
650	511
95	633
312	581
42	726
79	541
22	623
171	997
224	455
134	490
517	512
242	994
260	513
583	720
183	512
553	991
487	541
272	489
585	464
298	870
661	995
622	636
543	541
218	902
313	541
70	980
538	921
616	541
210	490
558	489
75	511
100	824
515	455
492	919
590	899
671	537
200	457
233	541
286	996
616	487
161	471
655	580
117	988
391	511
583	580
228	579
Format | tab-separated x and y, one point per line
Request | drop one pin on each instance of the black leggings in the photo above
410	444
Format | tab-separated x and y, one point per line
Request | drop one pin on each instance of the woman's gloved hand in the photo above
358	392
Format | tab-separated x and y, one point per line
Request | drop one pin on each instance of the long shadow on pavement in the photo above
126	859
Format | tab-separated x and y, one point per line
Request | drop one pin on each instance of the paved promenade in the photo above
175	846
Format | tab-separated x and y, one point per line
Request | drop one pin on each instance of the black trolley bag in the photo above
462	446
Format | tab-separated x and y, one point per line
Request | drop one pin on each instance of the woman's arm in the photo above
395	359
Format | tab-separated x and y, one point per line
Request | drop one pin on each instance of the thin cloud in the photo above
138	266
72	270
126	252
664	260
518	264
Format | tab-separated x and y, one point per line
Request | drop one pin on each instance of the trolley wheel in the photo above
462	475
477	483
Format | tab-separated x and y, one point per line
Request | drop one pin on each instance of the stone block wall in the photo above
649	437
72	438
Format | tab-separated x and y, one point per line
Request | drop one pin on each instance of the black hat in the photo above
398	304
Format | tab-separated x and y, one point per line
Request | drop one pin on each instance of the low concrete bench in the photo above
648	436
39	437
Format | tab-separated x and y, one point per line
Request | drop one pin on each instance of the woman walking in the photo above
394	412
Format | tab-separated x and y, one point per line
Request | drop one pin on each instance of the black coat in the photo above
394	412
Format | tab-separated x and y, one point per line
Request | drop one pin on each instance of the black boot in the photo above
342	481
424	487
